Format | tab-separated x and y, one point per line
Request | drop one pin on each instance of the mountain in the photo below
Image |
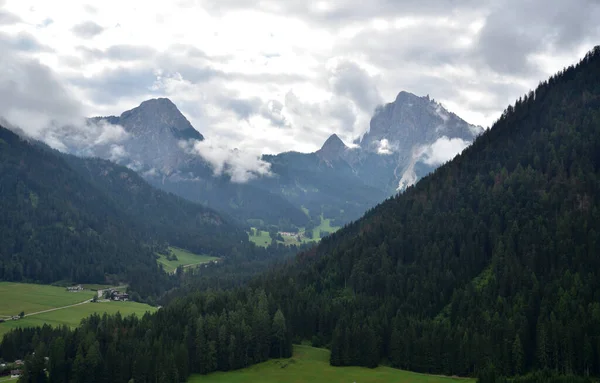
89	220
156	129
335	182
342	182
395	147
487	266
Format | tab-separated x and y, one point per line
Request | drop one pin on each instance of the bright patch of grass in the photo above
260	239
325	225
72	316
184	258
30	298
311	364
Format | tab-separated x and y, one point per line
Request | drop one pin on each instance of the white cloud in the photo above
241	166
385	147
442	150
286	75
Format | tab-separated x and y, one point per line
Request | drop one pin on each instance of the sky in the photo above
268	76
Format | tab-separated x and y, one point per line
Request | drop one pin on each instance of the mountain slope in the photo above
156	129
336	181
65	218
342	183
489	265
491	259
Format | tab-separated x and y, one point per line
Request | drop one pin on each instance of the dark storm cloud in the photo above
87	29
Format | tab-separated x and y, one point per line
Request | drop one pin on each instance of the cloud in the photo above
299	71
8	18
385	148
442	150
37	102
241	166
87	30
350	80
112	85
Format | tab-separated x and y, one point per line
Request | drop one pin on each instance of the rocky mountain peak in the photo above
332	149
412	120
158	115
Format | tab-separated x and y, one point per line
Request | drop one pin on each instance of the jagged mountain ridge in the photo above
345	181
339	181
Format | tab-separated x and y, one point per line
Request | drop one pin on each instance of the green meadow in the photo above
310	364
30	298
264	239
184	258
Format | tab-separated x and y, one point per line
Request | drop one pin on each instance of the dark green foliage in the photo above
488	267
492	258
86	220
199	334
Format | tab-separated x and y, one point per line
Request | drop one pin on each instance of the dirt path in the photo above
59	308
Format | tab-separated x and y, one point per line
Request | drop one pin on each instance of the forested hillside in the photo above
201	334
487	267
492	260
65	218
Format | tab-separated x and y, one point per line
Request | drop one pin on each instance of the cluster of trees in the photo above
486	267
88	220
199	334
491	259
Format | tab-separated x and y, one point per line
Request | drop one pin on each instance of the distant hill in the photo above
88	220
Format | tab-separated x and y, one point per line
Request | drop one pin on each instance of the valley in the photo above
135	249
309	364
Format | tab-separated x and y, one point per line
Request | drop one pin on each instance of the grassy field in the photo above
31	298
325	225
17	297
184	258
312	365
72	316
264	239
8	379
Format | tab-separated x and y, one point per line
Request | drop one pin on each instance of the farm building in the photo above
117	296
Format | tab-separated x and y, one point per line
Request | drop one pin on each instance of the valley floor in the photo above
184	258
311	364
55	306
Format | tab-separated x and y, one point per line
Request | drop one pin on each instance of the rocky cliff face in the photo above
155	129
337	180
401	135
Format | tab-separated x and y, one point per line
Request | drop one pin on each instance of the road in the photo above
58	308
